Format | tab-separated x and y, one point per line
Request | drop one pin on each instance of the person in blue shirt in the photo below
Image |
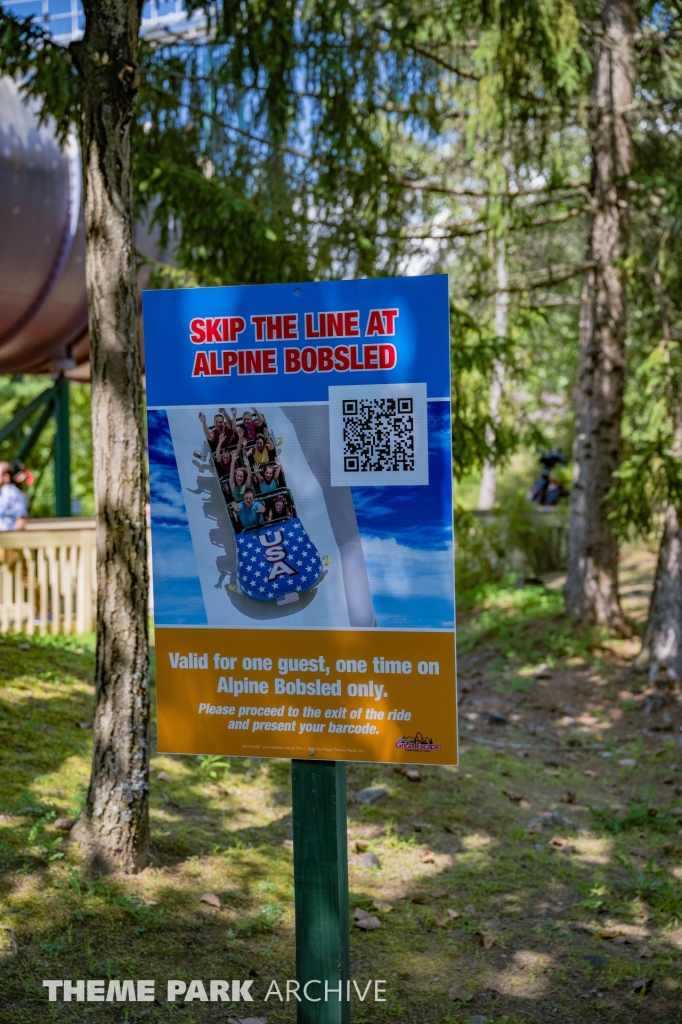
13	504
249	510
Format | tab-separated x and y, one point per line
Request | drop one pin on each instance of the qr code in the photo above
378	434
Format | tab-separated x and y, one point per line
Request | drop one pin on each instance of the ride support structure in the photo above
53	402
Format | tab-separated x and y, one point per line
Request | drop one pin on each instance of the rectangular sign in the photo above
302	535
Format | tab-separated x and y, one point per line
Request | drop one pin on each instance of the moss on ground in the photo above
542	879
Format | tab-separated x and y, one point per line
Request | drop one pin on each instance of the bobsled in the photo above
276	559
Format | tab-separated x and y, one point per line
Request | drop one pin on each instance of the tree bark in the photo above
488	489
592	581
115	825
662	641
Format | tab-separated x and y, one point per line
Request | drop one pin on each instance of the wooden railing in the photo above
47	577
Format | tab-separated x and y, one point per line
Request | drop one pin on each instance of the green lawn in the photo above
539	881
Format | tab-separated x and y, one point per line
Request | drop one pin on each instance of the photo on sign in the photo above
314	515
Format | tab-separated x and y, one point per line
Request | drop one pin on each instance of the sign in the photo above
301	503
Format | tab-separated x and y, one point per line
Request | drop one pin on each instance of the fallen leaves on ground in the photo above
609	933
460	994
65	824
211	899
365	920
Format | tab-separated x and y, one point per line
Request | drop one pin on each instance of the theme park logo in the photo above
417	742
275	554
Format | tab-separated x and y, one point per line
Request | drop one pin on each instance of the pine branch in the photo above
198	112
445	64
559	275
481	193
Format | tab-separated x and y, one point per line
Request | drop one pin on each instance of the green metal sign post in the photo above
321	891
62	448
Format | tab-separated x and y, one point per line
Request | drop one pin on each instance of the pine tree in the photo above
95	84
592	581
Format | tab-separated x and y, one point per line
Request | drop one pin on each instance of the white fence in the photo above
47	577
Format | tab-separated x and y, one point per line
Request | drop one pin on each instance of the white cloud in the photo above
173	560
167	500
398	571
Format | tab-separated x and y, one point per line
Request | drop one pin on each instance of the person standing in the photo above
13	504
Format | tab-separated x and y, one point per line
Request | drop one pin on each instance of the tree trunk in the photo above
592	582
662	643
115	825
488	490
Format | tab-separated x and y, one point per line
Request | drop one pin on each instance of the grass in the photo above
477	897
525	625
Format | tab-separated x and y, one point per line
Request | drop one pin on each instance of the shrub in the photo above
513	537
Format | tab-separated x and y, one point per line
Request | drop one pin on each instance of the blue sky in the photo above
177	592
406	535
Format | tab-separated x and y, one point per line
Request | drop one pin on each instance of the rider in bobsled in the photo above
276	559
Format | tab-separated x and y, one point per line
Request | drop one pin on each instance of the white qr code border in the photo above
395	465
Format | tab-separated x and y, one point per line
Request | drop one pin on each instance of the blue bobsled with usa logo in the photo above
277	561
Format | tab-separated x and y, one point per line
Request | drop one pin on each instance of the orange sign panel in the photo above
351	696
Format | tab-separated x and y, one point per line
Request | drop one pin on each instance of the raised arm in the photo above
248	473
228	419
278	468
232	469
207	432
257	418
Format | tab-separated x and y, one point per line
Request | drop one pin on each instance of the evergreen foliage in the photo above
339	139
